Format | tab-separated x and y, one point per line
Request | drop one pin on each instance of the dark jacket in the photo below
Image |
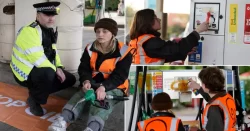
49	37
167	114
170	50
215	113
116	78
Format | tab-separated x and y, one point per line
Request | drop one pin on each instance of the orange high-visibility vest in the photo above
108	65
160	123
140	57
227	104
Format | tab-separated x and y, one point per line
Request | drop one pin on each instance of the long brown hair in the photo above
142	23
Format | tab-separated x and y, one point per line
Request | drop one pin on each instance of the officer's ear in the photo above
38	15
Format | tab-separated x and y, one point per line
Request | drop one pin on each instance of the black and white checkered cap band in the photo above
49	8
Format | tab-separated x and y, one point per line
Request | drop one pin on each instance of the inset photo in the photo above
188	98
188	32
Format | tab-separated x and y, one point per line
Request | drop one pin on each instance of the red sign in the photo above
157	82
247	25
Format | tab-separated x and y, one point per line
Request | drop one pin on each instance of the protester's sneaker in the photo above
88	129
35	108
58	125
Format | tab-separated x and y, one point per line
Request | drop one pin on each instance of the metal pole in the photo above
138	69
141	105
103	8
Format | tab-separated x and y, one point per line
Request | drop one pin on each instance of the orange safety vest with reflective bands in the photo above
108	65
140	57
159	124
227	104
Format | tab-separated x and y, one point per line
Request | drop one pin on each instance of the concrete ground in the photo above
116	119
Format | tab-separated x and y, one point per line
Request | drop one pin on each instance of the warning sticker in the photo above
197	55
247	25
233	24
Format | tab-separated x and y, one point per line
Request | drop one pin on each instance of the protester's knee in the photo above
97	119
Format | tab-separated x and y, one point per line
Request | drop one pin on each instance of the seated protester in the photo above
104	68
162	119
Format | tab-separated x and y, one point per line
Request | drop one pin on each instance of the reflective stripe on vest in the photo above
20	72
37	63
226	113
108	65
227	104
40	33
140	48
173	124
23	61
142	124
88	49
141	56
123	50
30	50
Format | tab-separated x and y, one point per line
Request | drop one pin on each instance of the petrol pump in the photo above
227	41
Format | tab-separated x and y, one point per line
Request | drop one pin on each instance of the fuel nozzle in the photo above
91	96
208	16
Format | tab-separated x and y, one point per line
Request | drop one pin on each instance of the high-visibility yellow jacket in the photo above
28	52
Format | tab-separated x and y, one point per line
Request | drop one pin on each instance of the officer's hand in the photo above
100	92
193	85
202	27
60	75
86	86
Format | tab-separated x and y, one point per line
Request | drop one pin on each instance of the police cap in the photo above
49	8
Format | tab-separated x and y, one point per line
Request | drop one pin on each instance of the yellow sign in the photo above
233	23
148	81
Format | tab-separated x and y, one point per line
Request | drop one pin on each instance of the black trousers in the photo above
43	81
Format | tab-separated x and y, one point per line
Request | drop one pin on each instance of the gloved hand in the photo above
54	35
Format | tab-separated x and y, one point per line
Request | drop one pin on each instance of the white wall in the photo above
25	13
7	28
237	54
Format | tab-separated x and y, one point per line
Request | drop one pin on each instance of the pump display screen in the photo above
209	12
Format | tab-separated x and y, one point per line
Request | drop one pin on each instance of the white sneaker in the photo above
58	125
88	129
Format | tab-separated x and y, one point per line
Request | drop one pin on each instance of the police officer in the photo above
162	119
35	62
220	111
